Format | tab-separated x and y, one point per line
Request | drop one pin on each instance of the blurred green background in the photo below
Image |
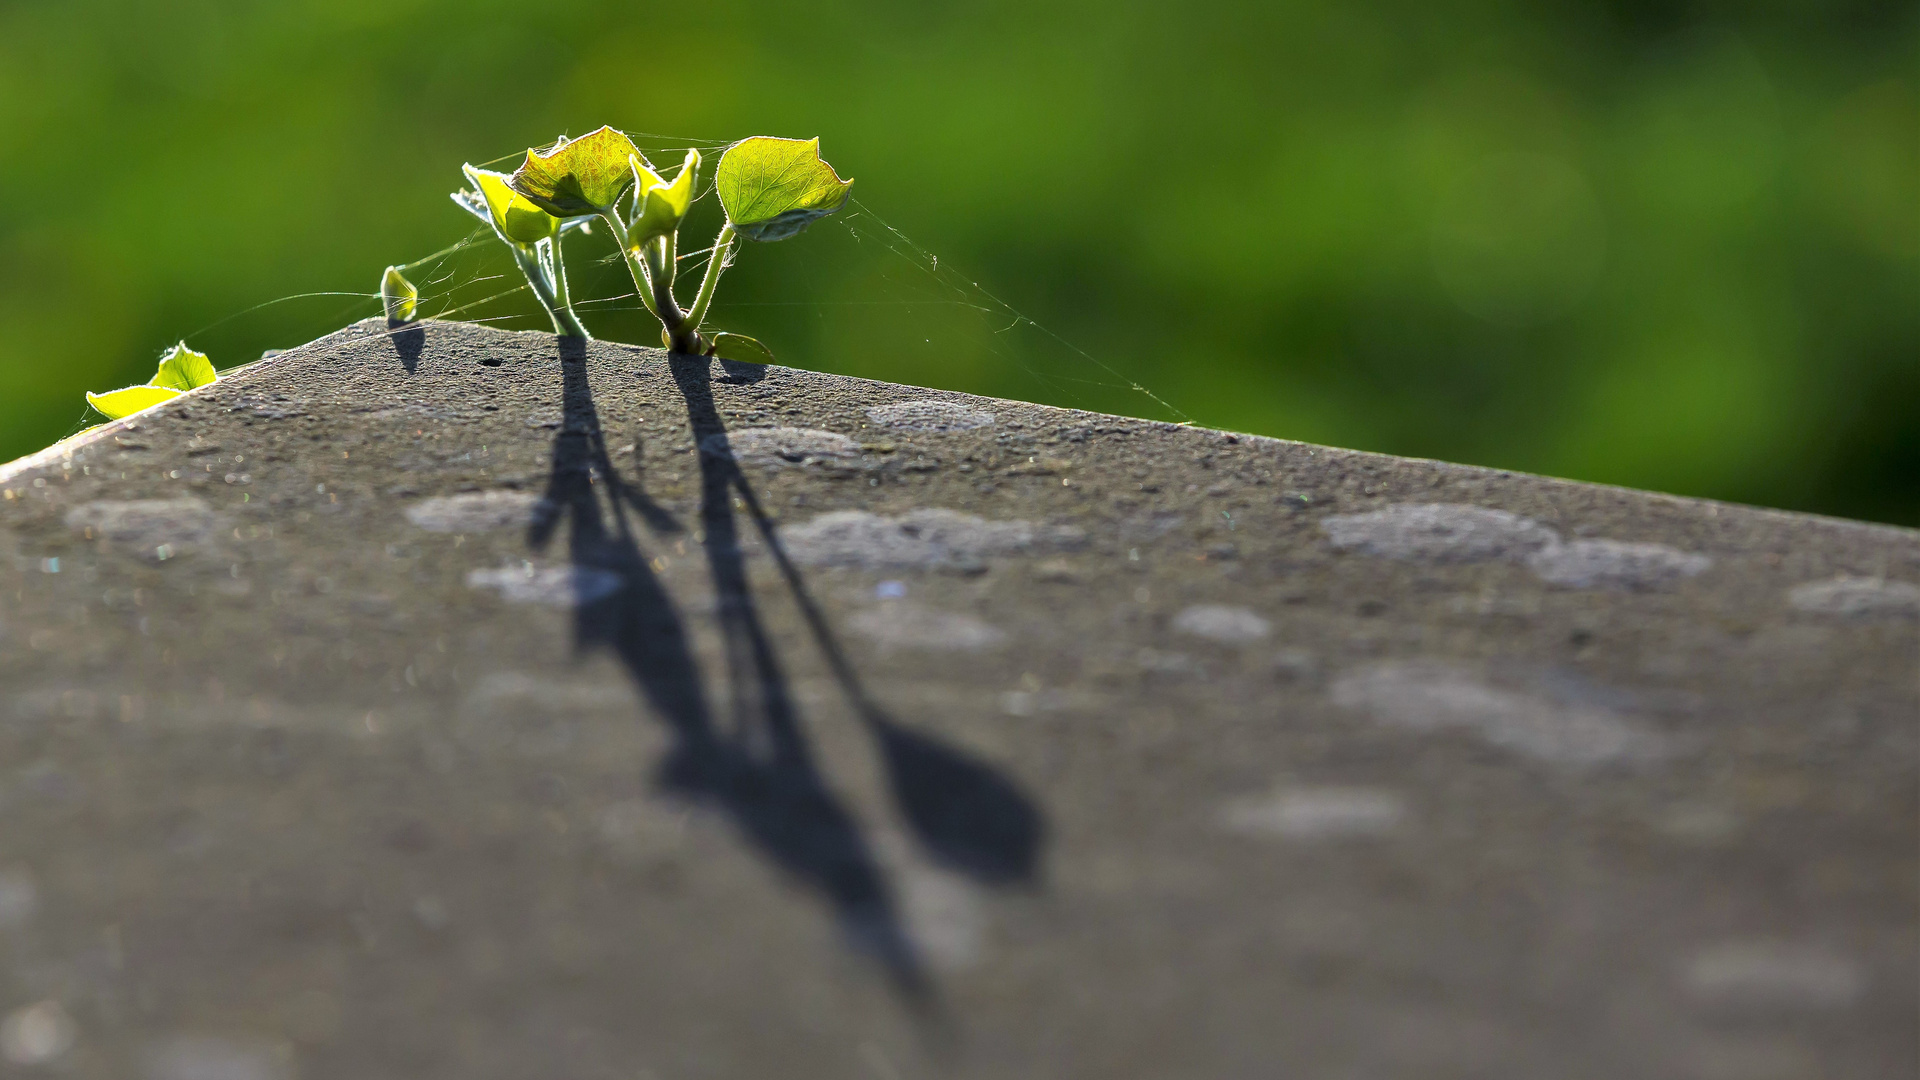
1670	245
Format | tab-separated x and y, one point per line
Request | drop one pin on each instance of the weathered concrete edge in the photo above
273	364
78	440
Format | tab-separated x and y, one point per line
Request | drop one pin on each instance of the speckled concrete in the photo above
424	705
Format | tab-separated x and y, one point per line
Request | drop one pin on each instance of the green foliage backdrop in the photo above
1671	245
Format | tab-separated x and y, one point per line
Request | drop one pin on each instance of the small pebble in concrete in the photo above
919	539
929	416
1433	697
553	586
149	524
1316	813
1615	564
1438	532
207	1057
910	626
1772	976
37	1034
781	446
477	511
1857	598
1223	623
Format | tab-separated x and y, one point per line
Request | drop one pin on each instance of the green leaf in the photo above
585	176
741	347
398	296
118	403
658	205
773	188
511	214
183	369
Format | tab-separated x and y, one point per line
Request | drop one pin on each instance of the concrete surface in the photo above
436	704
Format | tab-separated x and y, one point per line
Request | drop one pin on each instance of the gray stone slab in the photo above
442	704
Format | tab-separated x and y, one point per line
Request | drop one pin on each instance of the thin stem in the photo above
560	274
530	261
660	269
717	262
642	280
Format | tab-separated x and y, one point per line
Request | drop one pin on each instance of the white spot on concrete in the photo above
552	586
917	539
1316	813
37	1034
206	1057
19	898
478	511
148	524
1857	598
945	917
781	446
902	625
1451	532
1772	975
1223	623
1434	698
1696	823
929	416
1438	532
1615	564
636	830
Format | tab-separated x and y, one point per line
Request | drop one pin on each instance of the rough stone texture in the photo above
426	705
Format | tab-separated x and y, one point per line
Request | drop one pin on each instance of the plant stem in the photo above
722	247
642	281
565	323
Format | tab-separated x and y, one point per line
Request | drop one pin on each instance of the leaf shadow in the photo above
757	766
409	340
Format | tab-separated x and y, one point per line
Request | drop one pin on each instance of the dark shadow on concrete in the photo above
409	339
962	811
758	770
742	372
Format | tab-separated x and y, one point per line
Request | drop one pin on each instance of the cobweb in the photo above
853	295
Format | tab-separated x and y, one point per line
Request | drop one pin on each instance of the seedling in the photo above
533	235
180	370
770	188
399	297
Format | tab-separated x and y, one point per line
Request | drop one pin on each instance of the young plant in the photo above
181	370
770	189
533	235
398	296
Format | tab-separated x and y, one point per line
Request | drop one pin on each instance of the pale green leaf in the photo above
398	296
741	347
183	369
512	215
582	176
118	403
658	205
773	188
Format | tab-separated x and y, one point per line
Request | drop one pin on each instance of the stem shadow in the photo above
964	813
758	770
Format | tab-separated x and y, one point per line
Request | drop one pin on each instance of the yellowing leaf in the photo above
398	296
513	216
661	205
583	176
741	347
118	403
773	188
183	369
